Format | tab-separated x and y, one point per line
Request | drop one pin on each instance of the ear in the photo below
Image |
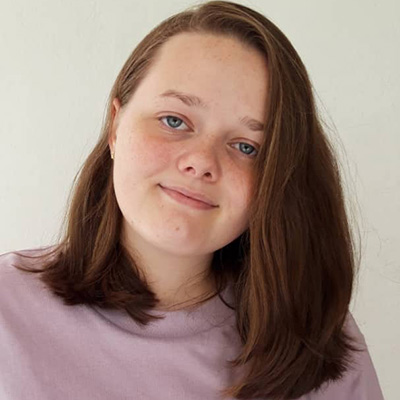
115	111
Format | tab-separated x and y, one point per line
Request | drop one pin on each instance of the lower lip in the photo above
180	198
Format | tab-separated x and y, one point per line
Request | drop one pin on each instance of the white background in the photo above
59	60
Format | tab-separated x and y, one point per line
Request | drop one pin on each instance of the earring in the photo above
112	155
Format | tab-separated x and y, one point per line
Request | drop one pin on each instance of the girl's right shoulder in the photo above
26	258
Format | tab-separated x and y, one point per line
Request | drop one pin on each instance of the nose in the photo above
201	160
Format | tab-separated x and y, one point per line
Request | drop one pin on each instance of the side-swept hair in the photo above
292	270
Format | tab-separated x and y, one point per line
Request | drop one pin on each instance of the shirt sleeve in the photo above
359	383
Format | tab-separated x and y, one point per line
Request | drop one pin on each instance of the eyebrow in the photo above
194	101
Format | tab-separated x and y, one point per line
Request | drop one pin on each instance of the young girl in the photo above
207	252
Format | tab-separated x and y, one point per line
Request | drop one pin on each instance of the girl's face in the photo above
191	123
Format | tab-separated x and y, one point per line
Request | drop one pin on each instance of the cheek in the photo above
242	193
143	156
240	198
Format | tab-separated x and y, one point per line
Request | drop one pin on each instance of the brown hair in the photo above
293	269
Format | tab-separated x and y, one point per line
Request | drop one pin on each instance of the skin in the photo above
204	150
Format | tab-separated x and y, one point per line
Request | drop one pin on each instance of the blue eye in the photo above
172	122
248	149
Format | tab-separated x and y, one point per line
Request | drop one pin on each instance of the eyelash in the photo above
180	119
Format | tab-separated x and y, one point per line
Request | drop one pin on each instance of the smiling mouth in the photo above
182	199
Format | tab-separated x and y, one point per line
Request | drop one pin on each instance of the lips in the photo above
193	195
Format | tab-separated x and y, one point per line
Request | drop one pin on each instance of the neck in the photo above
177	280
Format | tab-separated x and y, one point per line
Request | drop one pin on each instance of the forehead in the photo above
210	66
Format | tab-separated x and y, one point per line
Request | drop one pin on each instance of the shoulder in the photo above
25	257
22	258
360	382
11	259
15	283
351	327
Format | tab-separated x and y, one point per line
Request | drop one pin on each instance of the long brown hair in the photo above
293	269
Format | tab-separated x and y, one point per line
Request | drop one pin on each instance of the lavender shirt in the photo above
50	351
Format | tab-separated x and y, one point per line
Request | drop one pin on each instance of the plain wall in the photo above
59	60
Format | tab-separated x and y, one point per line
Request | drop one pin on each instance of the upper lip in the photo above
193	195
